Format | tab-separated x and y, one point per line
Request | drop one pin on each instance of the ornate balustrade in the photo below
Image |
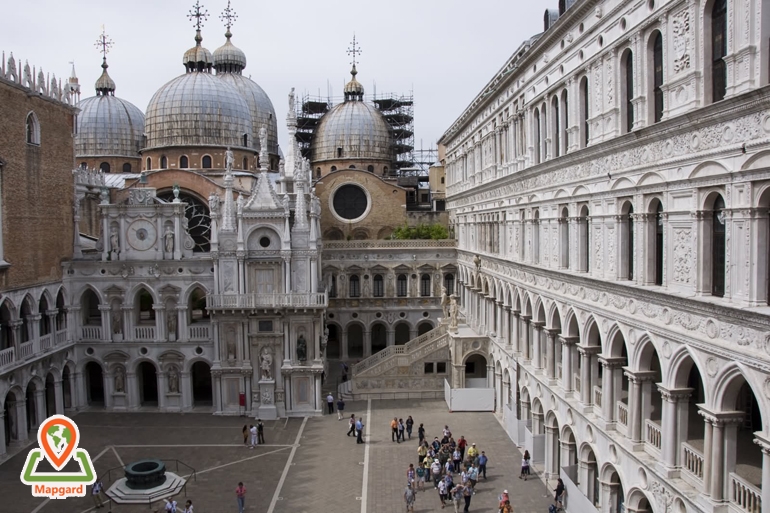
410	348
91	333
692	462
390	244
598	396
26	349
199	332
46	342
745	495
652	434
7	356
272	301
144	332
576	380
61	337
622	413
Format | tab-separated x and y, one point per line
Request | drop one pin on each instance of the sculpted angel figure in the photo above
114	240
173	381
120	380
213	203
454	311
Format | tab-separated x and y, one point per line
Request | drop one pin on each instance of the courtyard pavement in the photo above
307	465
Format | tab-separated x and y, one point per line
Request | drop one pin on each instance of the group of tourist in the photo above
172	507
397	428
254	433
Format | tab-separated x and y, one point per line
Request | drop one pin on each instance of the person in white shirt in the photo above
188	507
171	506
330	403
96	494
253	431
435	469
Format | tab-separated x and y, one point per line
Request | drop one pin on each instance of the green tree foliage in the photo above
421	231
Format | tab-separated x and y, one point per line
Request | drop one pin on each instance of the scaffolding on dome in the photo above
398	111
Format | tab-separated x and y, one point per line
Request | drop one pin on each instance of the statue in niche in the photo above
230	343
229	159
286	203
114	240
171	324
477	262
444	303
173	380
325	340
120	380
454	311
301	348
213	203
266	363
168	240
282	168
367	291
117	323
239	204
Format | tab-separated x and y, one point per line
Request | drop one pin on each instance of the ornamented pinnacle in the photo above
229	16
103	44
199	14
354	51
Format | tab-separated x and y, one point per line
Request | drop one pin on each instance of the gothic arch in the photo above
636	498
190	289
615	340
133	365
18	395
680	364
81	364
35	381
727	385
133	293
591	330
554	317
49	300
643	350
188	363
708	168
572	323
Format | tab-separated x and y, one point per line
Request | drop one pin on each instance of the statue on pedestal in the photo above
454	311
117	324
301	348
229	159
171	324
266	363
120	380
444	303
173	381
168	240
114	241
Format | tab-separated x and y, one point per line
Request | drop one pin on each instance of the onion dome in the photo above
108	126
198	109
228	58
197	58
354	90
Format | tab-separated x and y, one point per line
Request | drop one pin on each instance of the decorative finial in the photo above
199	14
229	16
354	51
103	44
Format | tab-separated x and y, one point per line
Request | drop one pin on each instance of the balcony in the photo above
744	495
199	332
692	464
32	348
266	301
576	386
598	396
622	415
91	333
652	436
144	332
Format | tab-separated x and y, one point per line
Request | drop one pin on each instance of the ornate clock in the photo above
141	235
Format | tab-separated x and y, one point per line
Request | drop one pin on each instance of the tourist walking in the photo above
506	507
409	426
467	494
260	431
420	433
442	492
483	465
421	472
473	476
472	453
245	434
524	466
410	473
96	494
422	451
240	496
435	469
352	423
401	428
188	507
330	403
457	459
253	431
394	429
409	497
171	506
457	496
462	444
340	408
359	431
559	494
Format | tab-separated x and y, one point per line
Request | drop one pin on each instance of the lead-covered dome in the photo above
260	108
108	126
197	109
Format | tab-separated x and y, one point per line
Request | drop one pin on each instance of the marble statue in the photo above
263	140
282	168
114	240
231	344
454	311
213	203
229	159
171	324
266	363
239	204
173	381
286	203
292	106
168	240
325	340
117	324
477	262
444	302
301	348
120	380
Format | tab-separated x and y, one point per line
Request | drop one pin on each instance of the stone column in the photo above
58	397
107	386
723	427
525	342
40	408
106	312
609	389
550	354
81	398
161	378
670	424
507	326
551	469
585	375
132	390
185	388
634	407
515	336
183	332
390	337
22	430
367	343
160	322
3	448
566	361
345	344
537	357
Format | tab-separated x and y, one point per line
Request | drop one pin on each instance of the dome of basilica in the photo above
352	130
108	125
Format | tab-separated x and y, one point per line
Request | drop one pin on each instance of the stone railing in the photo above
61	336
390	244
199	331
576	381
91	332
144	332
27	349
273	300
559	371
743	494
622	413
692	462
46	342
367	366
7	356
598	396
652	434
36	347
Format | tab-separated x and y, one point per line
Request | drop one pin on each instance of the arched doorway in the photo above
476	371
66	388
614	488
148	384
10	417
552	446
355	341
333	344
31	406
201	384
589	477
379	337
50	396
402	333
424	327
94	384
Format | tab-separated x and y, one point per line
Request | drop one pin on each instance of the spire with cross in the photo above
103	44
104	84
228	16
199	14
354	51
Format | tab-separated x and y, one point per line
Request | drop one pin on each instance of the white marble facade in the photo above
613	179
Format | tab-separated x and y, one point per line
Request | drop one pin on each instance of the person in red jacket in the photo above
462	443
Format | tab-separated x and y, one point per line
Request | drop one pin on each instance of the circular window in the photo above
143	350
90	351
402	314
264	242
199	350
355	315
425	314
350	202
623	23
331	316
378	314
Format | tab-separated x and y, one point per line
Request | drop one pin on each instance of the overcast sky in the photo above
443	50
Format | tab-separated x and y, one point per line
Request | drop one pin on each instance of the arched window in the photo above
354	286
628	91
318	172
425	285
627	241
385	170
370	169
657	76
658	250
148	164
523	228
89	306
84	165
104	167
196	307
449	284
536	236
245	163
564	122
163	162
401	284
144	310
564	238
379	286
584	126
339	152
537	137
245	140
555	128
184	162
33	129
718	270
544	135
584	241
718	50
334	168
333	287
126	167
206	162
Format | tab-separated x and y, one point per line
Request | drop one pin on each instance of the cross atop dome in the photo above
229	16
104	84
354	51
104	43
199	14
353	89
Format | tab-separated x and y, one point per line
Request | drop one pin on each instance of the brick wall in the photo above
37	188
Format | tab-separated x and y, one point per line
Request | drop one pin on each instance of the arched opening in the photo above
148	164
10	418
401	285
584	241
355	341
536	236
245	164
718	40
201	384
196	307
650	400
552	447
163	162
379	286
333	168
126	167
424	327
94	385
544	135
44	324
50	395
33	129
66	388
614	489
354	286
449	283
26	312
626	229
655	247
476	371
379	337
425	285
568	457
627	91
637	502
143	306
147	375
31	407
583	112
564	238
89	304
564	121
402	333
690	430
104	167
61	313
196	216
184	162
333	343
206	162
589	476
334	234
763	236
718	246
656	43
555	128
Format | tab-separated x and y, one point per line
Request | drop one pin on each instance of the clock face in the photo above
141	235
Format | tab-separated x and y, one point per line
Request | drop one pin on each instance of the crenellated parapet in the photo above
45	84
